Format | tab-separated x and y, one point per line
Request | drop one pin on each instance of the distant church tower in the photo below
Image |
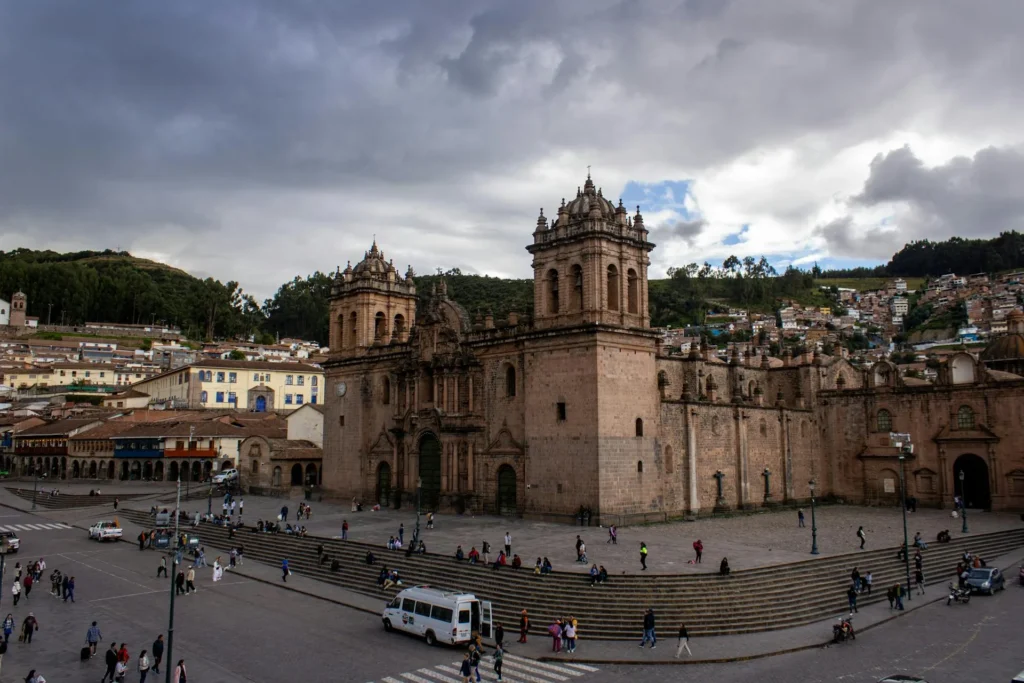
19	303
590	265
370	305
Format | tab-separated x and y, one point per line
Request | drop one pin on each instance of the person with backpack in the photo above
28	627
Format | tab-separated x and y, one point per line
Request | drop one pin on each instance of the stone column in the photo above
455	406
469	468
471	393
691	458
944	480
445	464
993	471
743	464
788	455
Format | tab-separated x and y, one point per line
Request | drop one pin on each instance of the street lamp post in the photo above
903	502
416	531
963	503
175	560
814	524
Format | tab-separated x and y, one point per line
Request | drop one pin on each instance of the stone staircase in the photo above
750	600
75	500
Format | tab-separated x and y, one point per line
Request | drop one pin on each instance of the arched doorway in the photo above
296	474
172	471
110	469
124	470
147	471
76	470
275	479
975	489
383	484
185	471
311	478
136	471
225	465
207	469
158	471
197	471
430	471
92	469
261	404
507	490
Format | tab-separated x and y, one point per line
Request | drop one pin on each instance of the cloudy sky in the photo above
257	140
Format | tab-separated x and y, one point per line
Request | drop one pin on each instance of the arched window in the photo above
553	292
339	335
510	381
640	466
399	325
380	327
577	288
275	479
352	328
763	428
883	421
668	460
639	427
385	391
613	288
965	418
632	291
203	397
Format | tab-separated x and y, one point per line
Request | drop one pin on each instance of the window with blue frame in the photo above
232	398
220	376
302	380
289	379
220	397
203	397
312	399
288	399
298	399
255	377
232	377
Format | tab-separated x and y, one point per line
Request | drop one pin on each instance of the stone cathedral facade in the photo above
579	405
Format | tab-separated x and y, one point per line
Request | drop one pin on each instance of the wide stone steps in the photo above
73	500
751	600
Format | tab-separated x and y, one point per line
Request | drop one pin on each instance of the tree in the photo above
236	354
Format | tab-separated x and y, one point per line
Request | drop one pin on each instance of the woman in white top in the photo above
143	666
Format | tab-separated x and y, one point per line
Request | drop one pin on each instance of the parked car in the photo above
225	476
985	580
105	531
12	540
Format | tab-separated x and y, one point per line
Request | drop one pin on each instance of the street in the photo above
245	630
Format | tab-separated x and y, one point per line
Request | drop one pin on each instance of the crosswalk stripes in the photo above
36	527
515	669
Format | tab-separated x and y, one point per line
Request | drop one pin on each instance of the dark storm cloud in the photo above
290	133
687	231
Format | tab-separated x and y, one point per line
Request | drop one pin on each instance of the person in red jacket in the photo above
698	547
122	654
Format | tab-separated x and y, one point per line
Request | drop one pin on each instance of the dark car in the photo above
985	580
900	678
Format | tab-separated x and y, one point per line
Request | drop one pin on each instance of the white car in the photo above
13	542
225	476
105	531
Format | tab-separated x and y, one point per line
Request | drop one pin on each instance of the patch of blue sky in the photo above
736	237
666	195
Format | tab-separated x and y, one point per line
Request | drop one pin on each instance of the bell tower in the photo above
590	264
19	304
370	305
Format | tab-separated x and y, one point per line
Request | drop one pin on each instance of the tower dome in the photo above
1006	352
372	265
587	200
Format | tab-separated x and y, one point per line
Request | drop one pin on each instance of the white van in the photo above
438	615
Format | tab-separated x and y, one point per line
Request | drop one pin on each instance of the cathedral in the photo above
578	406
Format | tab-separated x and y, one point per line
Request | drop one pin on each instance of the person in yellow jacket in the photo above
643	555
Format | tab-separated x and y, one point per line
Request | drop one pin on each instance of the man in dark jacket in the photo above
111	661
158	653
649	629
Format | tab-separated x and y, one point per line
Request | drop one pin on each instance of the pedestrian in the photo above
28	585
474	660
649	630
466	669
508	544
899	596
116	501
179	673
643	556
499	634
69	593
28	627
698	547
499	656
800	518
110	658
851	596
143	666
285	571
179	583
344	529
430	520
524	626
570	635
158	652
190	581
868	580
122	654
684	641
8	627
401	534
919	580
93	637
162	569
142	540
891	596
555	631
855	579
613	535
485	550
120	671
862	536
16	591
241	506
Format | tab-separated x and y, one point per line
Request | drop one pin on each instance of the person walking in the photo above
16	591
570	635
143	666
485	550
851	596
698	547
474	661
401	534
110	658
28	585
899	592
524	626
466	669
241	507
649	630
643	556
919	580
499	634
285	571
508	544
862	536
179	673
69	593
92	638
190	581
344	529
179	583
64	581
116	501
499	656
162	569
684	641
800	518
158	652
8	627
613	535
868	580
28	627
